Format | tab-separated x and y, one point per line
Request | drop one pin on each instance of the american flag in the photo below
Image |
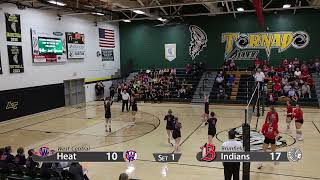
106	38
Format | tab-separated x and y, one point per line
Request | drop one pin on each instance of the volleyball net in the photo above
252	109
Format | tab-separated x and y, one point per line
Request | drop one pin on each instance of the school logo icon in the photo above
12	105
198	41
44	151
130	155
208	153
246	46
294	154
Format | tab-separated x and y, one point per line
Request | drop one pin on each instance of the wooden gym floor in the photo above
67	127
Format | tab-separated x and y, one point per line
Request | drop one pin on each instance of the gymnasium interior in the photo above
65	63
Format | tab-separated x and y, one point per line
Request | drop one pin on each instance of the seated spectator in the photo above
77	171
225	66
297	89
271	99
276	79
221	93
231	80
292	95
30	164
232	66
305	74
173	71
123	176
219	79
257	63
310	82
286	73
272	72
316	66
44	170
277	89
296	62
182	92
286	89
7	157
284	80
305	90
266	69
20	158
291	67
285	63
297	73
188	69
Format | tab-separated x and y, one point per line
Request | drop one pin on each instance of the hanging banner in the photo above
247	46
107	54
15	59
198	41
13	25
0	64
170	51
75	45
48	46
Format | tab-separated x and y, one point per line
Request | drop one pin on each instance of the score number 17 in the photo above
275	156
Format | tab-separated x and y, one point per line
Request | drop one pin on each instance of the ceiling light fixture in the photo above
97	13
161	19
126	20
286	6
57	3
240	9
138	12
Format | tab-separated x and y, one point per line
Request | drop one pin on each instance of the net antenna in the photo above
252	108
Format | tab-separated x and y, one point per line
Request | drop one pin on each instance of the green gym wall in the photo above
142	43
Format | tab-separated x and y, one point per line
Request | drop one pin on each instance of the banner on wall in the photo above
198	41
107	54
170	51
15	59
247	46
48	46
75	45
13	27
0	64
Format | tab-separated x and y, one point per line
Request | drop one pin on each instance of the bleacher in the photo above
241	92
191	81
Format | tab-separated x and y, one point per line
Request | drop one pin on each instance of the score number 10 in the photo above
112	156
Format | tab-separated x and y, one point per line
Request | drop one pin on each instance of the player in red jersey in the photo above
298	117
270	132
272	114
289	114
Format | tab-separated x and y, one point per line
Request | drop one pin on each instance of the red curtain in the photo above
257	4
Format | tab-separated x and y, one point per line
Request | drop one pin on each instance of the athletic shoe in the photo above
300	138
206	123
259	165
110	129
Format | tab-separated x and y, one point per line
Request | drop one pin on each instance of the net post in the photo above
246	145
